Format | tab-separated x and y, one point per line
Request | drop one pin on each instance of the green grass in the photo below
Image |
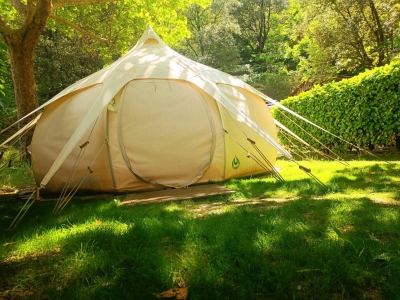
291	240
18	175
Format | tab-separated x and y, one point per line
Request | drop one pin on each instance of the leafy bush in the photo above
7	103
364	110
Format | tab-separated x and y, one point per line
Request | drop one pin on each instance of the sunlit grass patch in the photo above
269	240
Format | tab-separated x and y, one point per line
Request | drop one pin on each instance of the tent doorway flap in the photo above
165	131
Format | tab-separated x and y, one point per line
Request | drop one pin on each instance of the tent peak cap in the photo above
149	36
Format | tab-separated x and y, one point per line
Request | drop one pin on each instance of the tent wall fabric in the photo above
152	119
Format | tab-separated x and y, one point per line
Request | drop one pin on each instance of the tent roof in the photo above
152	58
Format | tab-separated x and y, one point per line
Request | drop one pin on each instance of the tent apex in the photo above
149	35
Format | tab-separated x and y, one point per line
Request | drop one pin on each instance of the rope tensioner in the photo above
84	144
308	172
65	198
256	159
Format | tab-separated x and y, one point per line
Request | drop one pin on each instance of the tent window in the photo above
112	106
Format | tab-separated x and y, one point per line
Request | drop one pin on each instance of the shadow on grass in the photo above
323	249
255	248
375	178
294	188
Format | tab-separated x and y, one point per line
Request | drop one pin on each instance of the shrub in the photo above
364	110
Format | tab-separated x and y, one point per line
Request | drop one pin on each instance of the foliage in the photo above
121	23
245	38
364	110
278	86
7	105
299	242
212	36
3	49
257	20
62	59
348	36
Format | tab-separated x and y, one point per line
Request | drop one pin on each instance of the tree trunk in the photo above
22	53
21	46
379	34
22	62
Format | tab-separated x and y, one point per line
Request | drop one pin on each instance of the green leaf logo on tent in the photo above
235	163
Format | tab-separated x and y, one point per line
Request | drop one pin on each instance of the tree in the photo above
257	19
350	36
211	41
21	25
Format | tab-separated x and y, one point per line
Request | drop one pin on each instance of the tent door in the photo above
166	132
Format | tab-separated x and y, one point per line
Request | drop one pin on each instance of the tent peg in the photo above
37	193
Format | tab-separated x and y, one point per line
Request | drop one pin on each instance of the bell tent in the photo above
154	118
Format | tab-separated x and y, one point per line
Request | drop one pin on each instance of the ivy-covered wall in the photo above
364	110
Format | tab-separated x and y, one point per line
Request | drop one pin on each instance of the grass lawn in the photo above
291	240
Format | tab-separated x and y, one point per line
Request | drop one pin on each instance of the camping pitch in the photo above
153	119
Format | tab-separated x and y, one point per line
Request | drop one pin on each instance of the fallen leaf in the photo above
261	215
178	293
9	243
167	294
182	293
57	249
106	284
98	222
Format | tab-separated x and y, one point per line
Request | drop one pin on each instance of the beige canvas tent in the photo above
153	119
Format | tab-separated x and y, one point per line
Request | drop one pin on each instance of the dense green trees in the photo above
346	37
282	41
248	38
212	36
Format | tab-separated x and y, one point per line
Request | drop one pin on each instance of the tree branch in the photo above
191	47
38	12
80	29
29	14
59	3
20	7
378	32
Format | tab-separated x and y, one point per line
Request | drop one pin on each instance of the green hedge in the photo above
364	110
